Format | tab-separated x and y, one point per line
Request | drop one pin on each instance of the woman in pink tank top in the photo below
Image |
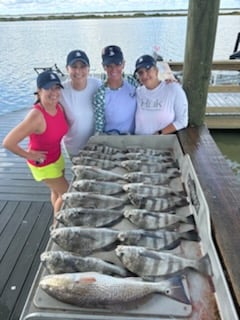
45	125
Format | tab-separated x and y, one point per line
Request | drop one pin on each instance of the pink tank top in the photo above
50	139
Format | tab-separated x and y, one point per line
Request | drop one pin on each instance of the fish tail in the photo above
190	220
191	235
176	290
175	164
205	265
182	202
181	193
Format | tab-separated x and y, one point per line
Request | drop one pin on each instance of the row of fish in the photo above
100	199
85	241
140	201
145	165
95	173
141	218
110	188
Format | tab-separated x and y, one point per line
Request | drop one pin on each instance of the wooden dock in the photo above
26	215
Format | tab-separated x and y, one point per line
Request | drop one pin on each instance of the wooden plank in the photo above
221	189
224	88
36	189
226	122
17	217
216	65
25	197
7	209
226	110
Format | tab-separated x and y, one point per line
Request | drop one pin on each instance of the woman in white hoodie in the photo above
162	106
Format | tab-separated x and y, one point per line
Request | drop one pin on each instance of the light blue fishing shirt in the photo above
115	109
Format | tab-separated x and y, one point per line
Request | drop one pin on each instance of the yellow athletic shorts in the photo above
51	171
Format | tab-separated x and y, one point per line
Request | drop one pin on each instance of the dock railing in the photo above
225	75
223	103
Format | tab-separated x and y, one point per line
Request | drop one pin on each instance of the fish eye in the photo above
168	291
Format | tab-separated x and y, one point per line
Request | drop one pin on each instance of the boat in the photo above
236	52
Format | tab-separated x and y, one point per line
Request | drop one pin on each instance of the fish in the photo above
103	164
103	148
147	167
156	204
98	155
150	263
150	158
103	187
90	172
152	178
148	151
80	216
156	220
93	200
152	190
56	261
156	240
84	240
96	290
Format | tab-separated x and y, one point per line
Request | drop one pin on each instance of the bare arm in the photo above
33	123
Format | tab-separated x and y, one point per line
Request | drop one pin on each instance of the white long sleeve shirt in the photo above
159	107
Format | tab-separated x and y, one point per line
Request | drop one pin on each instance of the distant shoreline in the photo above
105	15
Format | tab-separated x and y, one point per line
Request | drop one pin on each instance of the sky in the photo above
21	7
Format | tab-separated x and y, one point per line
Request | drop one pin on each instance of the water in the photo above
29	44
228	143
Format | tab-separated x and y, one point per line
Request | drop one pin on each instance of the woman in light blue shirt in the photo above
115	100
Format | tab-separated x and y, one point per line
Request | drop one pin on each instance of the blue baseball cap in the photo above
77	55
112	54
47	79
145	61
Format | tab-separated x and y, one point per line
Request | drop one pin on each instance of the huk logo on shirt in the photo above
150	105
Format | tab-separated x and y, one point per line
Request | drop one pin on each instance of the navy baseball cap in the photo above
145	61
47	79
112	54
77	55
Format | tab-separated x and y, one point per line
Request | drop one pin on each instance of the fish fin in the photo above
172	245
113	222
205	265
110	246
87	280
191	235
176	290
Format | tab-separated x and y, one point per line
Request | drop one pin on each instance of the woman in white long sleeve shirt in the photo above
162	107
